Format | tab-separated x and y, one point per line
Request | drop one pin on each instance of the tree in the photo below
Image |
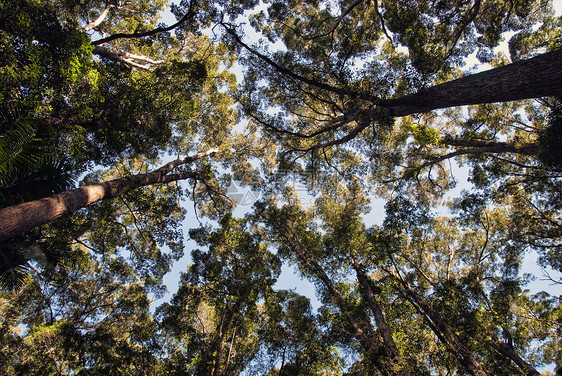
23	217
78	112
415	262
360	100
81	319
212	320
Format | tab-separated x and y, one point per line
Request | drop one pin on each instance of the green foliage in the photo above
551	140
28	170
417	294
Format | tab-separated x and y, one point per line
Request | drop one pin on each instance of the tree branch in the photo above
126	58
334	25
482	147
288	72
18	219
100	18
189	15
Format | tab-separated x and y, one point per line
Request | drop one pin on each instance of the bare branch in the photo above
290	73
472	13
334	25
100	18
383	26
189	15
136	61
548	277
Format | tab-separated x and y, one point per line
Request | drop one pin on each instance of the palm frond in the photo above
29	169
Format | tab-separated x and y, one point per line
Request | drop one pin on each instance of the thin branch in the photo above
473	12
329	164
548	277
380	17
290	73
334	25
195	202
521	165
348	137
542	214
180	161
87	246
189	15
135	219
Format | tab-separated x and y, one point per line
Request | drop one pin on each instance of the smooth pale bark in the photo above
136	61
98	20
18	219
540	76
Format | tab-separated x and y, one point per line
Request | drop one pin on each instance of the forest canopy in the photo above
124	135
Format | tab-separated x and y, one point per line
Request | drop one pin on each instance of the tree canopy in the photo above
121	138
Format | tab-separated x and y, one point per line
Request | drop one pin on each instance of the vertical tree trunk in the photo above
392	358
382	364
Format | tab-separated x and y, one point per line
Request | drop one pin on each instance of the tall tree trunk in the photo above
392	358
382	363
221	330
365	340
444	331
367	293
540	76
508	351
357	329
17	219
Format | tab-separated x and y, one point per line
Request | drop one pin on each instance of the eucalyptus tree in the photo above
352	89
419	294
338	75
211	325
79	317
345	307
64	112
294	340
341	73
